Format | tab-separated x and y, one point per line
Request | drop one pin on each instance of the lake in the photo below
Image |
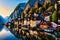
5	34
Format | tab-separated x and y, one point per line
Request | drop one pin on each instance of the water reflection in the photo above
1	27
5	34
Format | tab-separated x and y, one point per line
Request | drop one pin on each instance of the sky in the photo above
7	6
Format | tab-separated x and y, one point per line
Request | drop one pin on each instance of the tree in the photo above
50	8
54	16
40	9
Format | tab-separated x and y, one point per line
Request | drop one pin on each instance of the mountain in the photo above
33	3
2	21
39	8
36	3
6	19
20	6
17	11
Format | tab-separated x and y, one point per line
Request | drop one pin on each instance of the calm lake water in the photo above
5	34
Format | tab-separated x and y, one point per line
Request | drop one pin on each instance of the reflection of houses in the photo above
17	12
